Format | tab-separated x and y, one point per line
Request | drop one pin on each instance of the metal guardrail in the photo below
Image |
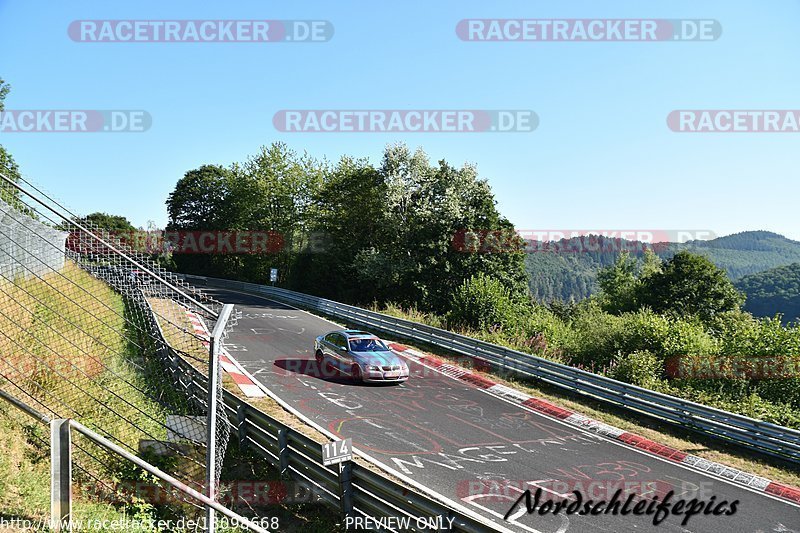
764	437
365	493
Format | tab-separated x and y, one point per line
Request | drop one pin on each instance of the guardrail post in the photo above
346	487
446	520
241	425
686	416
283	451
60	474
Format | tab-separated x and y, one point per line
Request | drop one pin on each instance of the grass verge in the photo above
66	349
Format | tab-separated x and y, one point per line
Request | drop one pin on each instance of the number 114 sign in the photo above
337	451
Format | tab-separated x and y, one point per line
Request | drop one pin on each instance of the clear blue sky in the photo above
602	156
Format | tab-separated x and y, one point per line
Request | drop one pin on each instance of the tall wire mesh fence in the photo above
83	318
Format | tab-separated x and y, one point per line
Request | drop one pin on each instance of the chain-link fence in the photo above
82	322
31	248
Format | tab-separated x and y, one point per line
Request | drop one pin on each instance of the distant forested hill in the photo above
774	290
561	276
566	270
748	252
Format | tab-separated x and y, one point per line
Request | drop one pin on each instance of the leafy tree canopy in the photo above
104	221
8	166
352	230
690	284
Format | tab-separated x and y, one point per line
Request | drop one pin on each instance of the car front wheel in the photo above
356	373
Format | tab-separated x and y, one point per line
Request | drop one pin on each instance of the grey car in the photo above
360	355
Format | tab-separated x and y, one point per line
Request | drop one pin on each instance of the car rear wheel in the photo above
356	373
323	367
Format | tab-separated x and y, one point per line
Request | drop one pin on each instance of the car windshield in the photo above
368	345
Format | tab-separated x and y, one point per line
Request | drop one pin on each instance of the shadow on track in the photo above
309	367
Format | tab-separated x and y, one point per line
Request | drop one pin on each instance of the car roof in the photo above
354	333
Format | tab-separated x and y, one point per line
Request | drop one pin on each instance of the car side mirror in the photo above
343	348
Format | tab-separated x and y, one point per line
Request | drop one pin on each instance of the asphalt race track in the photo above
456	439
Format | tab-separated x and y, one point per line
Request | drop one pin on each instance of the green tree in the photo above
351	231
198	201
651	264
690	284
104	221
619	285
387	233
344	255
270	192
4	90
426	207
481	302
8	167
273	191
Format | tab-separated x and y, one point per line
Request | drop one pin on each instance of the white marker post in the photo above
341	452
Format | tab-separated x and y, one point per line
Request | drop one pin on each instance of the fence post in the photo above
346	487
60	474
211	418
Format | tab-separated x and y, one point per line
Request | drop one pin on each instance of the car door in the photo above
347	356
335	342
327	345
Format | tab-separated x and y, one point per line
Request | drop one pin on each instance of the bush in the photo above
640	368
482	302
603	337
747	404
644	330
557	336
597	336
689	337
780	390
745	335
633	347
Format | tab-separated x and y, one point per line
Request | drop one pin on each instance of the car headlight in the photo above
373	367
